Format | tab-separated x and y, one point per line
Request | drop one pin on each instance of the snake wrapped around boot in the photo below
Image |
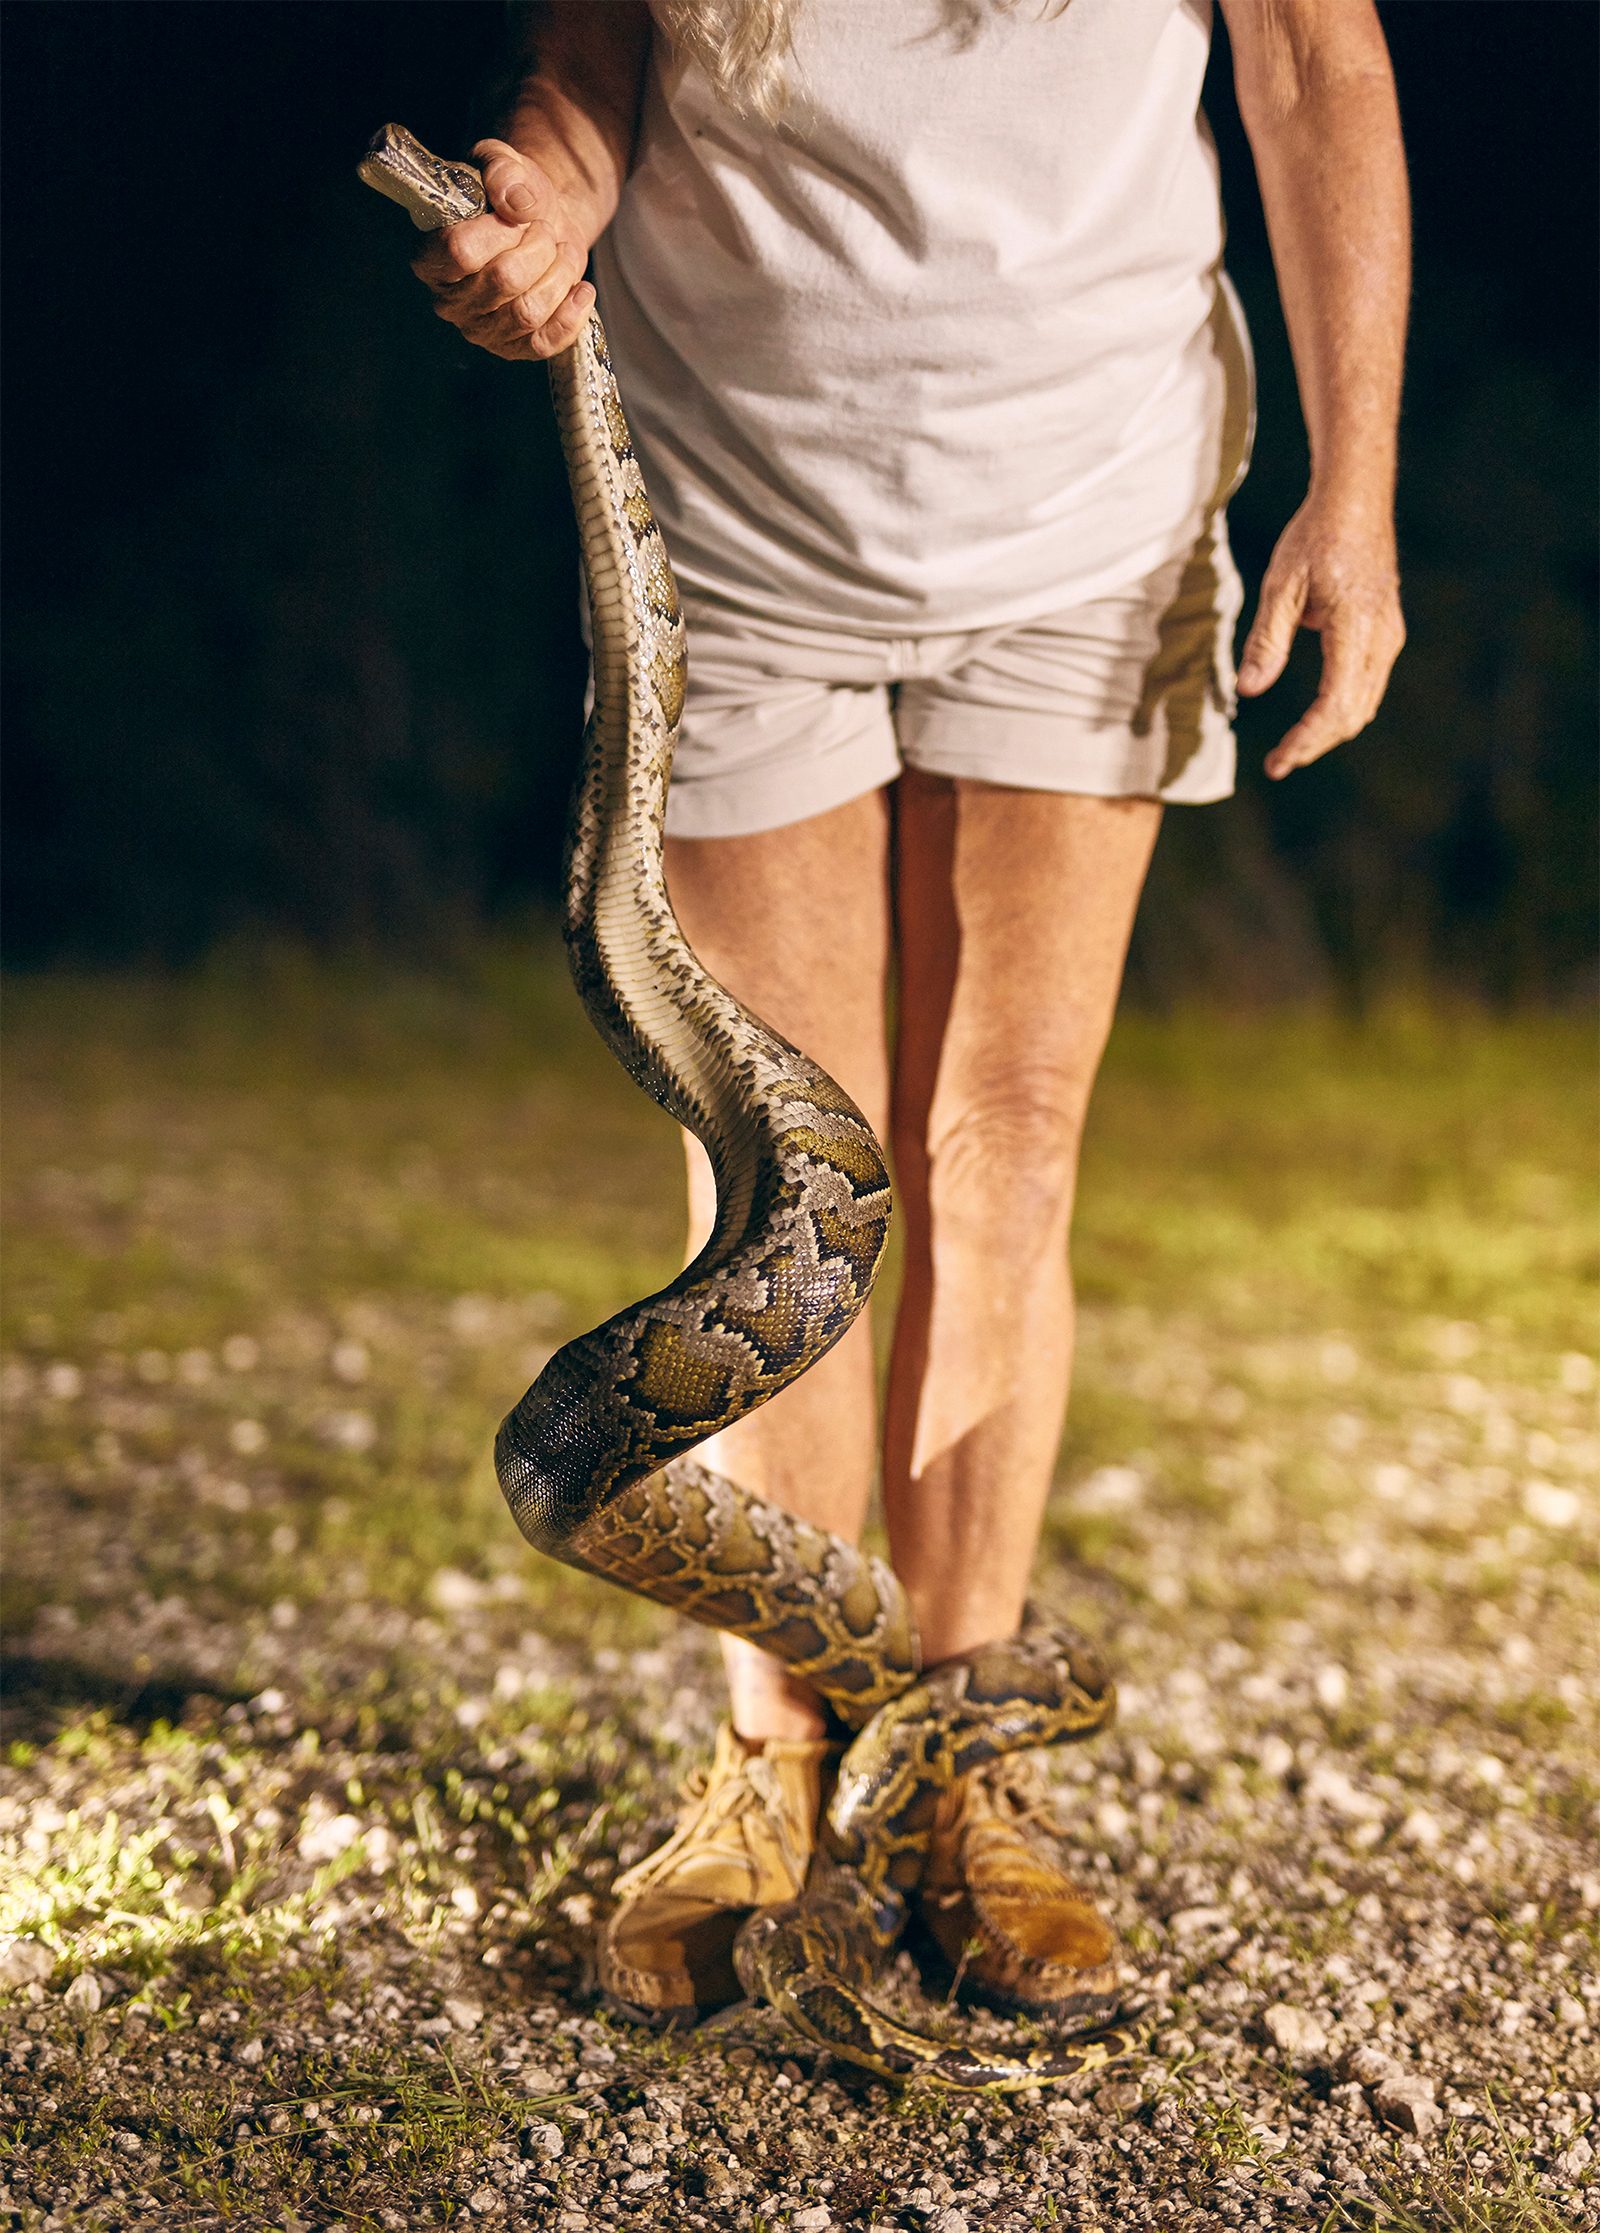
595	1460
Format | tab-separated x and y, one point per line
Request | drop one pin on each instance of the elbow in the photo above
1304	70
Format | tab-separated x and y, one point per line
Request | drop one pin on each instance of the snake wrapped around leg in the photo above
595	1460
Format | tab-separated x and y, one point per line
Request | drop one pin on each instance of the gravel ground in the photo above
317	1781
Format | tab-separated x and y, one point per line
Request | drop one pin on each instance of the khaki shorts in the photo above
1128	695
1123	695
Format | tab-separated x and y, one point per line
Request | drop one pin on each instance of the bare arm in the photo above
1316	94
512	280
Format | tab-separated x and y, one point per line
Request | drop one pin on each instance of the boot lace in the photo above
714	1824
1022	1793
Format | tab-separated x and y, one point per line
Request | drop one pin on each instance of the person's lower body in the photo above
1007	791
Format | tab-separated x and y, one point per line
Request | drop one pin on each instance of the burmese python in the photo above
594	1459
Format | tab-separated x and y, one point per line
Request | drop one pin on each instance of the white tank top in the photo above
947	347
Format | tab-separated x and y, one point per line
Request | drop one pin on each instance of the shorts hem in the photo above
747	805
1094	770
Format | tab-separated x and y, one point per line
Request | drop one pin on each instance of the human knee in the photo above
1012	1139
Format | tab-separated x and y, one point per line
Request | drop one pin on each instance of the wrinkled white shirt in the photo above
947	347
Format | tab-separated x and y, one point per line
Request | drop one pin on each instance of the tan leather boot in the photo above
1016	1931
744	1841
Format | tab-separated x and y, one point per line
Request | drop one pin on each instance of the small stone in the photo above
1332	1687
63	1381
543	2139
250	2052
1294	2031
947	2221
455	1592
1329	1787
1571	2014
349	1430
349	1360
1369	2066
1112	1488
435	2027
1576	2158
1269	2141
127	2143
1276	1757
465	2014
26	1961
1112	1820
484	2202
816	2219
326	1835
1406	2101
1190	1922
1420	1829
1551	1506
84	1992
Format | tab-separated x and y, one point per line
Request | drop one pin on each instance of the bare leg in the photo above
1013	914
795	922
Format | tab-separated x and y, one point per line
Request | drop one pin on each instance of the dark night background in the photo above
292	642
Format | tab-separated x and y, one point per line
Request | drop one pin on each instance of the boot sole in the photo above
683	2017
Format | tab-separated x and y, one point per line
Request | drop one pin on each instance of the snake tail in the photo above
817	1960
805	1960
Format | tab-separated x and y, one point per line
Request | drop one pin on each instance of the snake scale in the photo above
595	1459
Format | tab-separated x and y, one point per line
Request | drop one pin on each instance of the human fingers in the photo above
515	292
542	266
1278	611
519	193
558	332
519	189
1347	697
509	326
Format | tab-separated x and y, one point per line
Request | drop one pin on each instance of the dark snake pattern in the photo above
595	1459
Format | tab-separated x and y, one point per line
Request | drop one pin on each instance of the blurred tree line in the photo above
293	642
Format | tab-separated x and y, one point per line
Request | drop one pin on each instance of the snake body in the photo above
595	1459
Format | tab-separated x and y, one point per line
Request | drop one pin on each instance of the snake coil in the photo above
595	1459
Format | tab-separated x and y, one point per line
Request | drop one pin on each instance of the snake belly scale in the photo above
596	1459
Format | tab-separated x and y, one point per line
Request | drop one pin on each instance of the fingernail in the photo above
520	201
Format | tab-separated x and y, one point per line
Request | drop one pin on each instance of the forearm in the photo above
1317	97
575	79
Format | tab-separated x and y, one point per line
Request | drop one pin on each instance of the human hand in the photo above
511	280
1334	570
